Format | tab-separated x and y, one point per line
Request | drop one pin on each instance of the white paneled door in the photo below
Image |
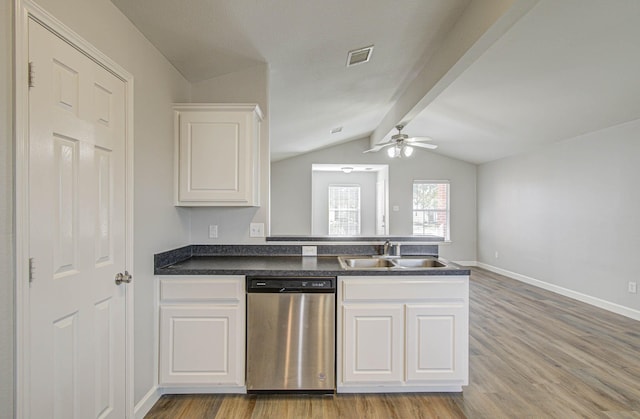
76	233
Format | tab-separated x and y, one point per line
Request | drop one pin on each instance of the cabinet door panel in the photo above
436	342
214	154
373	343
217	154
201	345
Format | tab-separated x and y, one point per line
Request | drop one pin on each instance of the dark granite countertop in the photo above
355	239
303	266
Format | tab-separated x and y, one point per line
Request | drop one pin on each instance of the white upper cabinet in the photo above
217	154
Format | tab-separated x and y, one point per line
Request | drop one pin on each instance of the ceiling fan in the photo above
402	145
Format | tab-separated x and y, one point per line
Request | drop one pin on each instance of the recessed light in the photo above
336	130
359	56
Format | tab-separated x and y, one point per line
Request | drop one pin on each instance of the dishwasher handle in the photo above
289	285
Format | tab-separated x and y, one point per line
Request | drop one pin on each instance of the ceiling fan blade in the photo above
423	145
413	139
379	147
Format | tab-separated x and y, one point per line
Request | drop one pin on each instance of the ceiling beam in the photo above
481	24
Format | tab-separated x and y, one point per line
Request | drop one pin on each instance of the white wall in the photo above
291	192
247	86
6	212
158	225
567	214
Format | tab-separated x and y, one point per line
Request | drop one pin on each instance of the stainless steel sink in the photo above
419	263
395	263
365	263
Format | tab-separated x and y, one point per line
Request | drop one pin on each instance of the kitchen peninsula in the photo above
400	326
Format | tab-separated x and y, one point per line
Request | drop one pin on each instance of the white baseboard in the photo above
594	301
146	403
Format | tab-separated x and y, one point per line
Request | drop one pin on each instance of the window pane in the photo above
431	209
430	195
344	210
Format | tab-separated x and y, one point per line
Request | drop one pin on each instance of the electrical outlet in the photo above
256	230
632	287
213	231
309	251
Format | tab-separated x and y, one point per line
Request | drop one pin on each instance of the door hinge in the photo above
32	269
32	74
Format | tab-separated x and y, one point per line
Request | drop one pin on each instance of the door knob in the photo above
123	277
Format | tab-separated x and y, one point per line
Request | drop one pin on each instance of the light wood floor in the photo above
533	354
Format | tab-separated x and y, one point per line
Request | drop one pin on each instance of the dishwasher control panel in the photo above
291	284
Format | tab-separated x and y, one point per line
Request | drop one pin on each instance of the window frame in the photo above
358	211
431	211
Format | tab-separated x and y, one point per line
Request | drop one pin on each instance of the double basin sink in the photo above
389	263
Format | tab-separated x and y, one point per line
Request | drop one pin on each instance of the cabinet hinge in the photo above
31	269
32	74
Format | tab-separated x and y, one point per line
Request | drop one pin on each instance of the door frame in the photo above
23	11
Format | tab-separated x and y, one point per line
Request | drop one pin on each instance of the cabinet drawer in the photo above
201	289
405	288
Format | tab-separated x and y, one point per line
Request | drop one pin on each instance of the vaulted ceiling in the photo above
484	78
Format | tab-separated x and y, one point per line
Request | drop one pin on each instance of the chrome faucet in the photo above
390	249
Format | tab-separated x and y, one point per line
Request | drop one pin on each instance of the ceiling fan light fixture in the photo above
400	150
407	150
401	145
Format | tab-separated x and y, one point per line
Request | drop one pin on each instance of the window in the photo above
344	210
431	208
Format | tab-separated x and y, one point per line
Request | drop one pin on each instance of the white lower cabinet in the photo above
404	333
202	331
372	342
437	342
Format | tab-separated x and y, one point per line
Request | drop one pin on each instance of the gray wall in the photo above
320	182
567	214
6	212
158	225
291	192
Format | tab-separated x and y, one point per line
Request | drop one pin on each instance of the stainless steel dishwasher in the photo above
291	335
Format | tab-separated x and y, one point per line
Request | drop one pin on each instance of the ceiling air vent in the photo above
359	56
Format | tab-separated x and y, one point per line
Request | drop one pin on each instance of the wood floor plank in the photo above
533	354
